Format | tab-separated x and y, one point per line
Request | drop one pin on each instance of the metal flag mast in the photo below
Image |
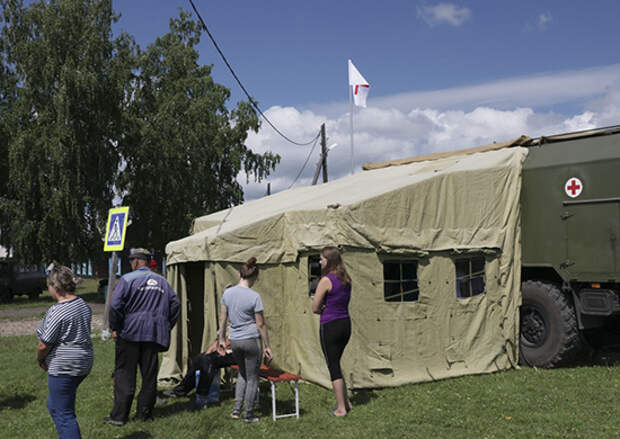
351	122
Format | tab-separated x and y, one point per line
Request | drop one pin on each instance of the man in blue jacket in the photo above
143	310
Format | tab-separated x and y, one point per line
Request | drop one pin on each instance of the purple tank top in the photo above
336	300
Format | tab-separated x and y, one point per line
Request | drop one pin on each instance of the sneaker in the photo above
110	421
235	414
251	419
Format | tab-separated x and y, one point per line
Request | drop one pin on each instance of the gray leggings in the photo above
247	354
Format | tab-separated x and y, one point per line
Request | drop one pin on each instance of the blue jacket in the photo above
144	307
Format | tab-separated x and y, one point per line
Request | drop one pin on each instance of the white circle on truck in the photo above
573	187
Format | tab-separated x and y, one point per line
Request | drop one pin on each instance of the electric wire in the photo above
305	163
252	102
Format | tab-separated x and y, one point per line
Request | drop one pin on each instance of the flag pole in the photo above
351	122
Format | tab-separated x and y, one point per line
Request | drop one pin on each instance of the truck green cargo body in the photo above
580	236
571	244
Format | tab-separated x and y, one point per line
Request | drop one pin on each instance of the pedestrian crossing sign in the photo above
115	229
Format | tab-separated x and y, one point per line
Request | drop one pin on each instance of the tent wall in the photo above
392	343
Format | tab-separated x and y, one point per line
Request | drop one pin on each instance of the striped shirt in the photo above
66	327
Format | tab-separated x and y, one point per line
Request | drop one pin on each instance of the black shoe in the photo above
109	420
144	418
251	419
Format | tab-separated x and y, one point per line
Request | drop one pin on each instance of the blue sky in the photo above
443	75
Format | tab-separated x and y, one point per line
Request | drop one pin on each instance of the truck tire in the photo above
33	295
549	335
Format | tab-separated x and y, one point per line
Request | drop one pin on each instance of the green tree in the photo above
72	84
183	148
7	98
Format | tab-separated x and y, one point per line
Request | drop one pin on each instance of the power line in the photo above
252	102
305	163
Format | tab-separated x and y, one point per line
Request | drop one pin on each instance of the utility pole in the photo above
322	164
324	152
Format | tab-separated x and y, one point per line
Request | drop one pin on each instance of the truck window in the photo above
470	279
400	280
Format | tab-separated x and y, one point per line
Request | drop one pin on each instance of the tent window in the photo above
400	281
470	279
314	273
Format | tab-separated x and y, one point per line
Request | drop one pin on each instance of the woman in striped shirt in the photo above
65	350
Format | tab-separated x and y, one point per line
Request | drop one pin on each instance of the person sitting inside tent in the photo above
202	371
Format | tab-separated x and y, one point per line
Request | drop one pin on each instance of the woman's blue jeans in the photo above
61	404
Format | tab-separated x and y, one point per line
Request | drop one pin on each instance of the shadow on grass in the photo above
16	401
283	406
362	397
137	435
171	408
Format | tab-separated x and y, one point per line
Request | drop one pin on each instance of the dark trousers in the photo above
208	365
130	355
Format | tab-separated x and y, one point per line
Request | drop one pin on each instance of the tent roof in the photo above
520	141
228	225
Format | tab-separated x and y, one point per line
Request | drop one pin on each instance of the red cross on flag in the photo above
359	86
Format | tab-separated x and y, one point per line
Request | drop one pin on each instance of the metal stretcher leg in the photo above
273	399
296	399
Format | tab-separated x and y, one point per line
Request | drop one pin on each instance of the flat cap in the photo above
139	253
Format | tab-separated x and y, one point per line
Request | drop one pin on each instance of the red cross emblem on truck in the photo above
573	187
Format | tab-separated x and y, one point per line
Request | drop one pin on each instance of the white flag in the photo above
359	86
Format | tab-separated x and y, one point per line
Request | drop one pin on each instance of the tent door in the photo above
195	306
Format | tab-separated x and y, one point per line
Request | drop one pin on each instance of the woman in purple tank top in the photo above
331	301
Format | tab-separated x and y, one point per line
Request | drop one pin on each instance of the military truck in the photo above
16	279
570	200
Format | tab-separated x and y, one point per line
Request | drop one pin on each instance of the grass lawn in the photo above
528	403
87	289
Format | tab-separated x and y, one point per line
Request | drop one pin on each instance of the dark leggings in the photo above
334	338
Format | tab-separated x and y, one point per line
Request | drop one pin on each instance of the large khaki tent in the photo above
432	247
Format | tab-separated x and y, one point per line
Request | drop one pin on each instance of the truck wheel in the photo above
549	335
33	295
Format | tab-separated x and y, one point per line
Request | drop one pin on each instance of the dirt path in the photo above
28	324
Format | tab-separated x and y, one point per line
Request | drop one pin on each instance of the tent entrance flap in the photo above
195	275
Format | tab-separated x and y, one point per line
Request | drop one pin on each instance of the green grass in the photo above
528	403
87	289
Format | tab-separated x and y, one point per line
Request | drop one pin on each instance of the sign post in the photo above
114	241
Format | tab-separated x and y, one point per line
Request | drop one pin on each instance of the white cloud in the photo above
400	126
532	91
444	13
544	19
540	23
